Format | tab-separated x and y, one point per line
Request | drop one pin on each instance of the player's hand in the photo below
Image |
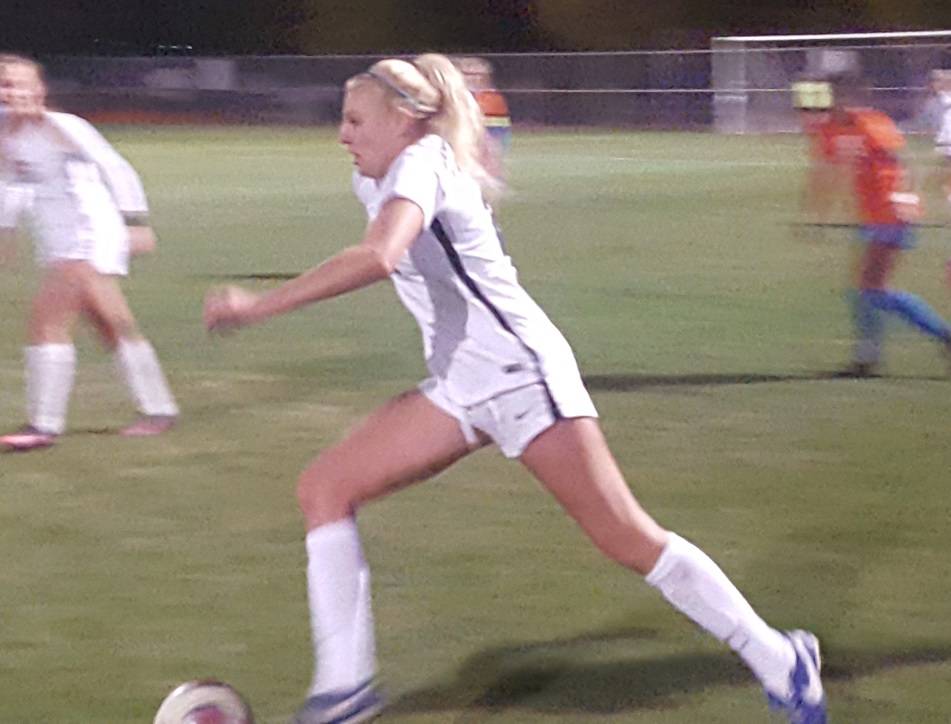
141	240
228	308
907	206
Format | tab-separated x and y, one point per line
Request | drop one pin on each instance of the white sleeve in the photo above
414	178
943	137
121	179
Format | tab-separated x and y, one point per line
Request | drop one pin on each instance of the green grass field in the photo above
706	330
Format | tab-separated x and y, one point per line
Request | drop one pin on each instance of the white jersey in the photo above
75	188
943	136
482	333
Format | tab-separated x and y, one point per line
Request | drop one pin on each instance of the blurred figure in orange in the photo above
868	143
495	113
826	197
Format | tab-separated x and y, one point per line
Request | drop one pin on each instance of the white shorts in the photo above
512	419
94	234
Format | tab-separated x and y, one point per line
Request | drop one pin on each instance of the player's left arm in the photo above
386	239
120	178
885	144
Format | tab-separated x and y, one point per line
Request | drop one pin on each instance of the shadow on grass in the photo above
251	276
98	431
632	382
552	677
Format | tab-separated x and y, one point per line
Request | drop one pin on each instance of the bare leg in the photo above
572	460
406	440
50	356
107	309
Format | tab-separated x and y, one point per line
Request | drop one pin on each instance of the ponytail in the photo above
459	119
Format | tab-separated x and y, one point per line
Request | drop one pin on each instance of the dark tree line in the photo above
355	26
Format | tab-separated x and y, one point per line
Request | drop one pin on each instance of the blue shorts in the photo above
502	135
900	235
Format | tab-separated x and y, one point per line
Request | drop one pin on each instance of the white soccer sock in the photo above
143	375
696	587
338	590
50	370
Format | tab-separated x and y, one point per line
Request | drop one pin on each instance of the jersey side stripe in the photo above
455	261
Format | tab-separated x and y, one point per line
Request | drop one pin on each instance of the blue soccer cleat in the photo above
342	707
806	703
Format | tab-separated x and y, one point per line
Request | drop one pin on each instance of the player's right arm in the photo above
387	238
119	176
827	177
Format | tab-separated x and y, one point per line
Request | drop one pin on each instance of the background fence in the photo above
725	87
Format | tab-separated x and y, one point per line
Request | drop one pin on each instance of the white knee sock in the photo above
697	587
50	370
143	375
338	590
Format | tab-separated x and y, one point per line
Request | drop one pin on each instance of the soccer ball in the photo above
204	702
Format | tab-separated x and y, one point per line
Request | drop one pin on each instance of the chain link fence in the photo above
736	89
669	89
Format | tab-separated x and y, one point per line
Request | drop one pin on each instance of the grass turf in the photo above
706	327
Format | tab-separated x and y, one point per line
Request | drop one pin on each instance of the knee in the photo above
46	330
322	496
878	298
120	328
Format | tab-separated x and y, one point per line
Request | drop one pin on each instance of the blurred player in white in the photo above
501	373
941	87
88	213
939	113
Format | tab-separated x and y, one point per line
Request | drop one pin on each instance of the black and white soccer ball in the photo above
204	702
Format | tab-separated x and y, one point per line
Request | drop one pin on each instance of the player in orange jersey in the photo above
495	113
868	142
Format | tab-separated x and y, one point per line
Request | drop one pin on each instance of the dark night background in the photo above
353	26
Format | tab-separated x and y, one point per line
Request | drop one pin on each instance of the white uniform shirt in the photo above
74	186
943	136
482	333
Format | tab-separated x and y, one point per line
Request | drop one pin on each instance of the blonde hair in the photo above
14	59
431	89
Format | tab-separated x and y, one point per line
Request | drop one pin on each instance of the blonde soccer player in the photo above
500	373
88	214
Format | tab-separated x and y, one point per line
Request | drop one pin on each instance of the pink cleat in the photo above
27	438
149	426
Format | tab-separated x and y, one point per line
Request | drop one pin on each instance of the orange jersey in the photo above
494	108
868	141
